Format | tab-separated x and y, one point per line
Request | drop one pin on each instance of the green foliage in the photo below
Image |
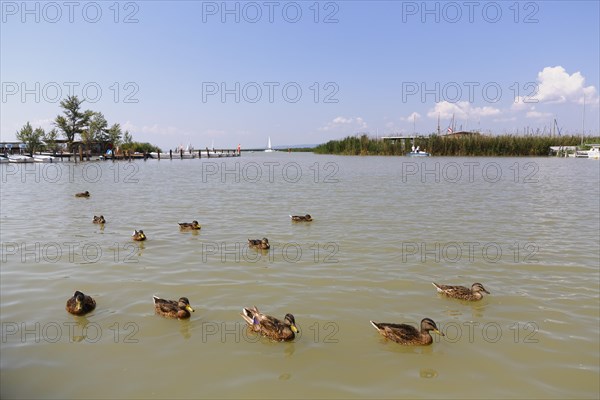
138	147
127	138
74	121
97	129
114	135
471	145
92	127
32	138
50	140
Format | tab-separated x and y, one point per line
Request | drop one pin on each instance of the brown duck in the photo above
80	304
180	309
138	235
270	327
408	335
194	225
259	243
461	292
301	218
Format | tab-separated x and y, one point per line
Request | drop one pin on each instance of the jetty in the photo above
191	154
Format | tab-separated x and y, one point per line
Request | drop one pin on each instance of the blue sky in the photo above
302	72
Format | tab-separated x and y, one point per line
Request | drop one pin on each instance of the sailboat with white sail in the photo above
269	149
416	151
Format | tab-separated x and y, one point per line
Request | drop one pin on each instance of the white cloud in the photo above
414	116
461	110
537	114
522	103
352	123
154	129
507	119
555	85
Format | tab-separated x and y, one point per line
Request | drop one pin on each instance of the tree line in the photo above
90	126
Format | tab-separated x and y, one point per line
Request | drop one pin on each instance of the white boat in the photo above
3	159
43	158
416	152
593	153
18	158
269	148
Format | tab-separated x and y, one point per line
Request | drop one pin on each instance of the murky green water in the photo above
383	230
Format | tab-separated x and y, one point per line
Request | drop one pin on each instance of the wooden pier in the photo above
185	155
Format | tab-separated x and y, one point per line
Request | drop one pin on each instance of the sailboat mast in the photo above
583	121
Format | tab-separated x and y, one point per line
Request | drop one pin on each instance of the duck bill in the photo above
189	308
294	329
486	291
438	332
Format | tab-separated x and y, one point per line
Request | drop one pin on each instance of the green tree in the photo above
127	138
96	131
32	138
114	135
50	139
74	121
99	127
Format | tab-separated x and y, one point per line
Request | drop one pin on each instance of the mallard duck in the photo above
259	243
138	235
269	326
461	292
408	334
99	220
194	225
80	304
173	308
301	218
83	194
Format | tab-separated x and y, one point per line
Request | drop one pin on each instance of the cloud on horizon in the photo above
414	116
461	109
345	123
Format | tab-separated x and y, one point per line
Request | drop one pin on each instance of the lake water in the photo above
384	228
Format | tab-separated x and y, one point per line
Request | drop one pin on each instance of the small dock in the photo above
191	154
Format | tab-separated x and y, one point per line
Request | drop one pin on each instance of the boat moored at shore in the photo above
18	158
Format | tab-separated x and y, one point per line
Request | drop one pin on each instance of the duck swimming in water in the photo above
408	335
179	309
461	292
301	218
138	235
259	243
270	327
194	225
80	304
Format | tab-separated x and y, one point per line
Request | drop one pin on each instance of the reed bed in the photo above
470	145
